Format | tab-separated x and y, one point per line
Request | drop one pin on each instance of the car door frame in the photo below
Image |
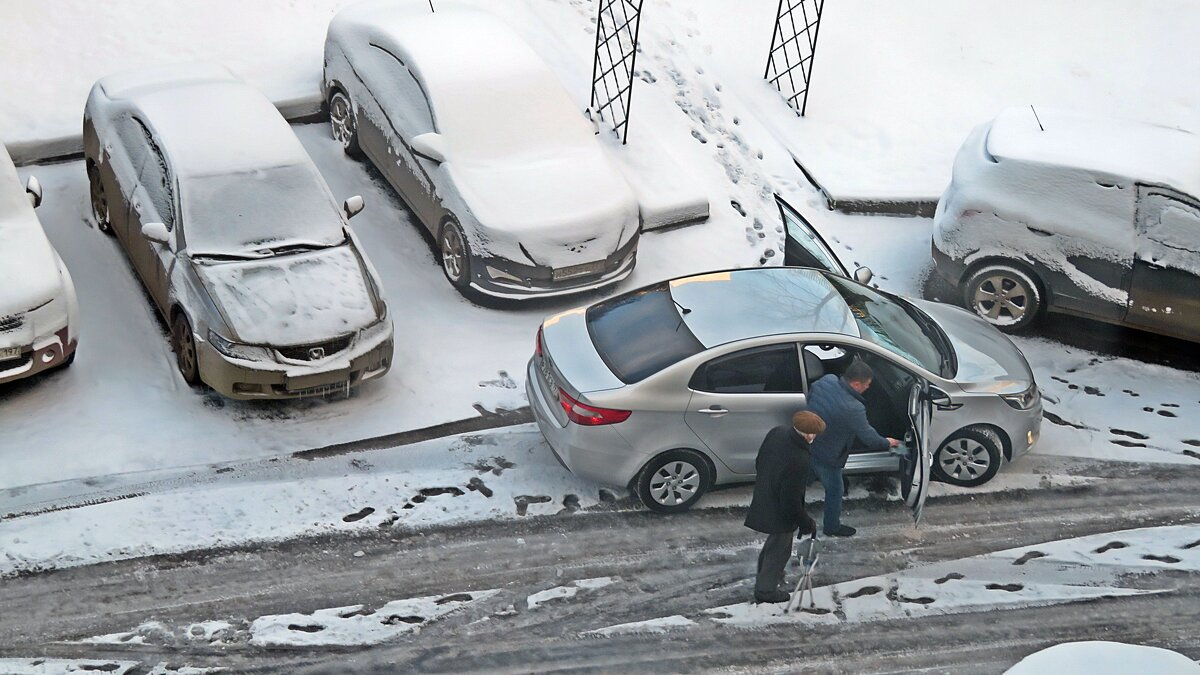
703	405
1148	296
786	212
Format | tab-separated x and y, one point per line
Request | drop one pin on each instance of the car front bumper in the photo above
503	278
248	380
43	353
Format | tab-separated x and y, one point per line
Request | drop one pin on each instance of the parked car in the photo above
481	140
39	312
235	235
1082	215
671	388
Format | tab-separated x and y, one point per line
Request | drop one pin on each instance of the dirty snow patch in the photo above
567	591
653	626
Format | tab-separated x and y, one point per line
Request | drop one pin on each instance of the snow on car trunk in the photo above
295	299
28	268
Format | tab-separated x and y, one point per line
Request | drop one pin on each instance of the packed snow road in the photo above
1114	558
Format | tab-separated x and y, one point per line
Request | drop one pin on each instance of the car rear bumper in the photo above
44	353
245	380
506	279
595	453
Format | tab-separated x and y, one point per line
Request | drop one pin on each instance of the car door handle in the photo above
715	411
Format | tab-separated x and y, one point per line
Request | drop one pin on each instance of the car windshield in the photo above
640	333
897	327
258	213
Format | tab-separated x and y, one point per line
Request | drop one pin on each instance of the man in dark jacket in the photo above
839	401
777	508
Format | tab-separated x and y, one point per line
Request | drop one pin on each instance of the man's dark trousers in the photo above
772	560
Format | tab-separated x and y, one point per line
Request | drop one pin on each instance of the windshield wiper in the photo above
226	256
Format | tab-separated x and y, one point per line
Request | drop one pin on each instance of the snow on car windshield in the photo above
245	213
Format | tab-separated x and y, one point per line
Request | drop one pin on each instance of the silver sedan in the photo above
670	388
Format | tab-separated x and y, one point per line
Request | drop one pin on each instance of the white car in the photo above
39	312
480	138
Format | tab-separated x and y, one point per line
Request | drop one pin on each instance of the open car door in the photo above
803	246
917	467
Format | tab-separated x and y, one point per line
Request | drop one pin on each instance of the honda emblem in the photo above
316	353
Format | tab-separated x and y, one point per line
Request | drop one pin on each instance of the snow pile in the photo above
357	625
438	482
567	592
1104	658
157	632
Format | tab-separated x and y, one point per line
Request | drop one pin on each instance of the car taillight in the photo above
590	416
538	347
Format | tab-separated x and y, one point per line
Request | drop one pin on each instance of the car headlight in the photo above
1024	400
236	350
382	325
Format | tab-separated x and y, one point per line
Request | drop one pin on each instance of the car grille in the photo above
342	387
315	352
11	322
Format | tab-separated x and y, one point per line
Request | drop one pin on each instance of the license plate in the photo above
577	270
548	376
10	353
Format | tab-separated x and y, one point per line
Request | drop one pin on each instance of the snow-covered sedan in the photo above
39	313
235	235
480	138
1050	210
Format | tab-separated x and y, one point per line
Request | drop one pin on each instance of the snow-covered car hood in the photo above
987	359
563	210
29	274
291	300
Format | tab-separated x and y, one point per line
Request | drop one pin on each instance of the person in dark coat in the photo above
838	400
777	508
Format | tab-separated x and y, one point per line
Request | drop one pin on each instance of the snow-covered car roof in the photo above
209	122
28	267
491	94
1146	153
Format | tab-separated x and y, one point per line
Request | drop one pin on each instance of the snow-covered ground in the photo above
122	407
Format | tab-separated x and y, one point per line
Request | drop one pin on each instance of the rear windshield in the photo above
640	333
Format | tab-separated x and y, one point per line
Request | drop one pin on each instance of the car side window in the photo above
773	369
401	96
154	177
1170	229
131	139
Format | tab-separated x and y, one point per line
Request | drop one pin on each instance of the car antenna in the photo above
683	311
431	9
1035	115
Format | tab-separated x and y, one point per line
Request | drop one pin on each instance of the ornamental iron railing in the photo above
793	46
617	26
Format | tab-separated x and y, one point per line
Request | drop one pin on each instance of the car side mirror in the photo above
157	233
941	400
430	146
863	275
34	188
353	206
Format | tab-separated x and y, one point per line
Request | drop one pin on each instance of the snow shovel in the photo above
809	552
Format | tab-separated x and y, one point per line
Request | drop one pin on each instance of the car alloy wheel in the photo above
98	199
1004	296
970	457
184	344
674	481
455	253
342	123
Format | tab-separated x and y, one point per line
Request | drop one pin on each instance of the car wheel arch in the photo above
1043	286
708	460
986	428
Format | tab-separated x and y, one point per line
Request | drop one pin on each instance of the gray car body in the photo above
1091	242
374	56
168	271
665	407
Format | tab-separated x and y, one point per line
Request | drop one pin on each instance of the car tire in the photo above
454	254
99	200
342	122
673	481
1006	296
968	458
183	343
